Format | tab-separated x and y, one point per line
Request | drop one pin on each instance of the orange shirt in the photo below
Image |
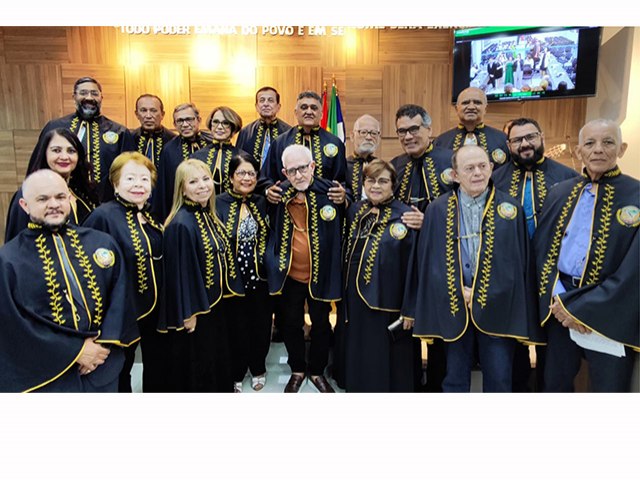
301	259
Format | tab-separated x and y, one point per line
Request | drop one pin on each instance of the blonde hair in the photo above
185	170
125	157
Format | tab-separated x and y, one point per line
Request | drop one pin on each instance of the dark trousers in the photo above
249	332
294	295
496	361
606	372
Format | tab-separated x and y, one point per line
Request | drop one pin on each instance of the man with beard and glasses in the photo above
102	138
151	138
471	107
528	177
63	290
256	138
366	140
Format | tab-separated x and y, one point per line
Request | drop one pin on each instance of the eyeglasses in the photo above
180	121
382	181
291	172
225	123
530	138
306	106
402	132
469	169
245	173
85	93
364	133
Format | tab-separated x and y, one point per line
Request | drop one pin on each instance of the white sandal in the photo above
258	383
237	387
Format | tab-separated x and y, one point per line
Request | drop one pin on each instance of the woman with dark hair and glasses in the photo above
244	215
376	251
224	123
62	152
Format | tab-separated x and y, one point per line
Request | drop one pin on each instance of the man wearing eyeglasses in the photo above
366	139
587	248
186	119
527	178
102	138
303	264
327	150
257	137
151	137
470	279
471	107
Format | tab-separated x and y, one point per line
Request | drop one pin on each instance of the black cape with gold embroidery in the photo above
197	271
503	298
355	165
173	153
608	300
434	166
41	338
228	209
18	219
511	179
209	155
141	247
492	140
111	138
327	151
385	258
251	137
324	222
152	142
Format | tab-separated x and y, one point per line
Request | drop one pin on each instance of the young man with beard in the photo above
257	137
63	290
471	107
102	138
527	178
151	138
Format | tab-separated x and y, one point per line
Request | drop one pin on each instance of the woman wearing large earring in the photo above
197	277
376	255
244	215
128	220
224	123
62	152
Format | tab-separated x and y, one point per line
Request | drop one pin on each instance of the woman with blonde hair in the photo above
197	275
128	220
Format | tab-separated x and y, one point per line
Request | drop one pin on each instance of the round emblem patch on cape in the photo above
498	156
446	177
327	213
110	137
507	211
330	150
398	231
104	258
628	216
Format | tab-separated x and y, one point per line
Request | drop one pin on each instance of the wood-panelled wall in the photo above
375	70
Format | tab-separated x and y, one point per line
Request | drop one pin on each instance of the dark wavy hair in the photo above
79	181
240	157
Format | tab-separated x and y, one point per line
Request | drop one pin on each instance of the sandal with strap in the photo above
258	383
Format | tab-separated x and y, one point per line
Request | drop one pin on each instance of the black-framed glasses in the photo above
225	123
402	132
245	173
529	137
291	172
180	121
364	133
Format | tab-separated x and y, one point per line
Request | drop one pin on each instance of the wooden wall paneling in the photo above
558	118
113	88
2	56
414	46
149	49
289	81
8	175
169	81
285	51
361	46
30	95
497	114
98	45
389	148
425	85
5	200
364	88
24	142
36	44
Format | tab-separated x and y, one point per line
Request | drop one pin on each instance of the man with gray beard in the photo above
366	139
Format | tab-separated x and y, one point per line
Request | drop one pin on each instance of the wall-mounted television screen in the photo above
526	63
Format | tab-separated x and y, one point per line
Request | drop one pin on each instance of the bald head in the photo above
601	123
46	199
366	135
600	146
471	107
